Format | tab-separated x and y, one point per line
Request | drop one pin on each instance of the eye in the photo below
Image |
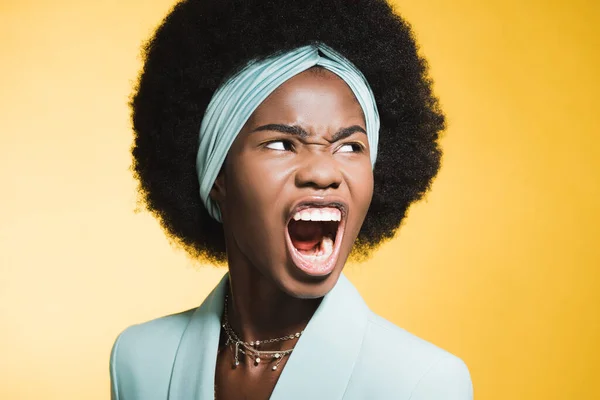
350	148
279	145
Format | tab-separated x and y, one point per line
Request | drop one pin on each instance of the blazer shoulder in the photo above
414	350
408	366
447	378
145	353
150	337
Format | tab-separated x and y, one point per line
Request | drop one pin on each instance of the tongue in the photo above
305	235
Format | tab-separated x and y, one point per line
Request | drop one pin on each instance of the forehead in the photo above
314	97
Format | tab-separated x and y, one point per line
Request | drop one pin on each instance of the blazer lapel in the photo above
319	367
193	375
322	361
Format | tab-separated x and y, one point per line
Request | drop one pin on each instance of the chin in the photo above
294	282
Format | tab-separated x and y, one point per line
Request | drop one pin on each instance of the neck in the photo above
259	310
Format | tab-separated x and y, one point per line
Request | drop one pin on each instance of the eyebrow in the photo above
303	134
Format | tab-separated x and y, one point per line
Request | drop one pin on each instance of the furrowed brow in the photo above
290	129
300	132
345	132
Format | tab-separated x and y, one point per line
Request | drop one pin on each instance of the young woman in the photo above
280	138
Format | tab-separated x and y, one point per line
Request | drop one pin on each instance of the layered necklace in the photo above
250	349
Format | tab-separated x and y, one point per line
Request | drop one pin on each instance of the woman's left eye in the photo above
350	148
280	145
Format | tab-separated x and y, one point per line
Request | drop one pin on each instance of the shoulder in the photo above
145	353
393	360
150	340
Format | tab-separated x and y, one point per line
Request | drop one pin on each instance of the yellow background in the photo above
499	265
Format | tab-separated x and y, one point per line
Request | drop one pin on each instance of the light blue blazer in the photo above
346	352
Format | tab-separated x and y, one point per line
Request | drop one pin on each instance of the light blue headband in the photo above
235	101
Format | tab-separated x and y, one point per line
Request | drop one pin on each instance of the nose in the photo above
319	171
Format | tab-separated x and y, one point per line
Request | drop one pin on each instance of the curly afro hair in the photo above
203	42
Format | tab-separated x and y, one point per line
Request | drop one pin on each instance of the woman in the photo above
318	129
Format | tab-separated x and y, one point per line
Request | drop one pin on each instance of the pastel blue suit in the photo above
346	352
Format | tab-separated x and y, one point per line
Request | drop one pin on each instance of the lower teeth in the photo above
325	250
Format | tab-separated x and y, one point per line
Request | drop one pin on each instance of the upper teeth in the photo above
318	214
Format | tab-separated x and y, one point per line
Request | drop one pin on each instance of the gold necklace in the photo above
250	348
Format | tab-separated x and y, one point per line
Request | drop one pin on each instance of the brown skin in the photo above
265	174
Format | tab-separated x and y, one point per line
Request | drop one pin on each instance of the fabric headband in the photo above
235	101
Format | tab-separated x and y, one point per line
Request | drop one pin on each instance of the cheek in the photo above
254	210
360	183
361	191
253	194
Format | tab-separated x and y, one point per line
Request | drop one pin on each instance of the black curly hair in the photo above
203	42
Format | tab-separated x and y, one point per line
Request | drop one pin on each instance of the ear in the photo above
218	192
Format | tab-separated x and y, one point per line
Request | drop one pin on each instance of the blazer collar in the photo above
319	367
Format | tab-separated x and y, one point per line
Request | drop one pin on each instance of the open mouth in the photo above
314	234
